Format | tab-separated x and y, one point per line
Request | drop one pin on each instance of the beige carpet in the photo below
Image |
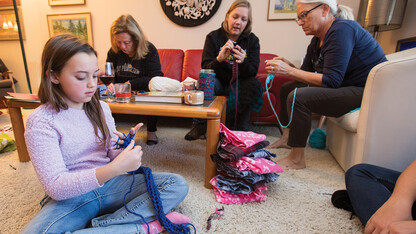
298	202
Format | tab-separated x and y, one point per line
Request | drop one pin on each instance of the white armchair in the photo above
382	132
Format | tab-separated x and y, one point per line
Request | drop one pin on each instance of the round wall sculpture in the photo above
190	13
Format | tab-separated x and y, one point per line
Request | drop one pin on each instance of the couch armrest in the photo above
385	132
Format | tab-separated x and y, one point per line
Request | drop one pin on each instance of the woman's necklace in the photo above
130	61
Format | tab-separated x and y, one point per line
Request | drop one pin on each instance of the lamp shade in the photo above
381	15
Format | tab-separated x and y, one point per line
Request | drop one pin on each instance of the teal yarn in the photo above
317	139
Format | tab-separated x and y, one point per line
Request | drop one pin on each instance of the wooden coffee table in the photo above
213	111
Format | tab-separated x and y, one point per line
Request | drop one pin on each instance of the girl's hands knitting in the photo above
129	159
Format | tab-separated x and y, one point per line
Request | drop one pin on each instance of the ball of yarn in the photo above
317	139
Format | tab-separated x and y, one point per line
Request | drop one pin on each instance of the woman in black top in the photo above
233	43
135	60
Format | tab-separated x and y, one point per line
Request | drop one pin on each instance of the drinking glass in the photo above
123	92
106	76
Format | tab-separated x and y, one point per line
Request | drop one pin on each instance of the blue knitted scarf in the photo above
154	195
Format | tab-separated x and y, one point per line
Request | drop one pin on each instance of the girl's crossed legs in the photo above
76	213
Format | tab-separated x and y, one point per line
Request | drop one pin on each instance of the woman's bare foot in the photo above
295	159
287	163
281	143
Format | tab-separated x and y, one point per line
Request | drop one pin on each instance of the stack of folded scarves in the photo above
244	167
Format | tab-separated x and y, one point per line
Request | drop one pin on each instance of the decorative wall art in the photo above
406	43
282	10
8	25
190	13
78	24
65	2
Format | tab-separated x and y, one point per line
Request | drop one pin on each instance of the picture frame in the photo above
65	2
282	10
78	24
406	43
8	25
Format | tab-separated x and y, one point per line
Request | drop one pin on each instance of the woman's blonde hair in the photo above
56	53
235	4
127	24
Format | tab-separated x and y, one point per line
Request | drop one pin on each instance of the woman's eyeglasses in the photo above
303	15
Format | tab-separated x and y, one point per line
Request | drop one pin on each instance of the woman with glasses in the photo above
135	60
331	79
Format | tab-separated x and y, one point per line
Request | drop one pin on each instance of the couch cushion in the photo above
348	121
191	64
171	61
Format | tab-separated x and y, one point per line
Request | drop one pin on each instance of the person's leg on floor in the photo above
295	159
243	119
173	189
325	101
67	215
152	138
282	142
199	126
369	187
198	130
285	109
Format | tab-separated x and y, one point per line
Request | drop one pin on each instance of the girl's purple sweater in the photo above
65	151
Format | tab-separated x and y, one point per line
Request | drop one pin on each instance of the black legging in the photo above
325	101
151	123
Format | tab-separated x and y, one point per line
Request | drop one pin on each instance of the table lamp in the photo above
381	15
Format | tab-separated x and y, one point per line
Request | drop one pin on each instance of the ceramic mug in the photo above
193	97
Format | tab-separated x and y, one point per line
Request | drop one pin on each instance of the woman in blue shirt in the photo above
331	80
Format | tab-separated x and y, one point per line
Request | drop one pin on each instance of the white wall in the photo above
282	37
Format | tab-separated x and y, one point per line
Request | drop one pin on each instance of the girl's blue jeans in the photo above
103	210
369	187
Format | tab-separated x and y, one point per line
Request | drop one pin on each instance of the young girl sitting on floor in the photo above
69	139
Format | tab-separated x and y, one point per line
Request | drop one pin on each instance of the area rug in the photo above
298	202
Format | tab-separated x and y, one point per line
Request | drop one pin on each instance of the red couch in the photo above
178	65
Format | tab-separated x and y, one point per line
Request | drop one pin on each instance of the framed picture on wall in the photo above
406	43
78	24
65	2
8	24
282	10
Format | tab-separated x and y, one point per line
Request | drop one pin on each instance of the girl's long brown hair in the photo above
56	53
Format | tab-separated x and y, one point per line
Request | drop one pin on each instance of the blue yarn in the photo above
270	79
356	109
154	194
317	139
